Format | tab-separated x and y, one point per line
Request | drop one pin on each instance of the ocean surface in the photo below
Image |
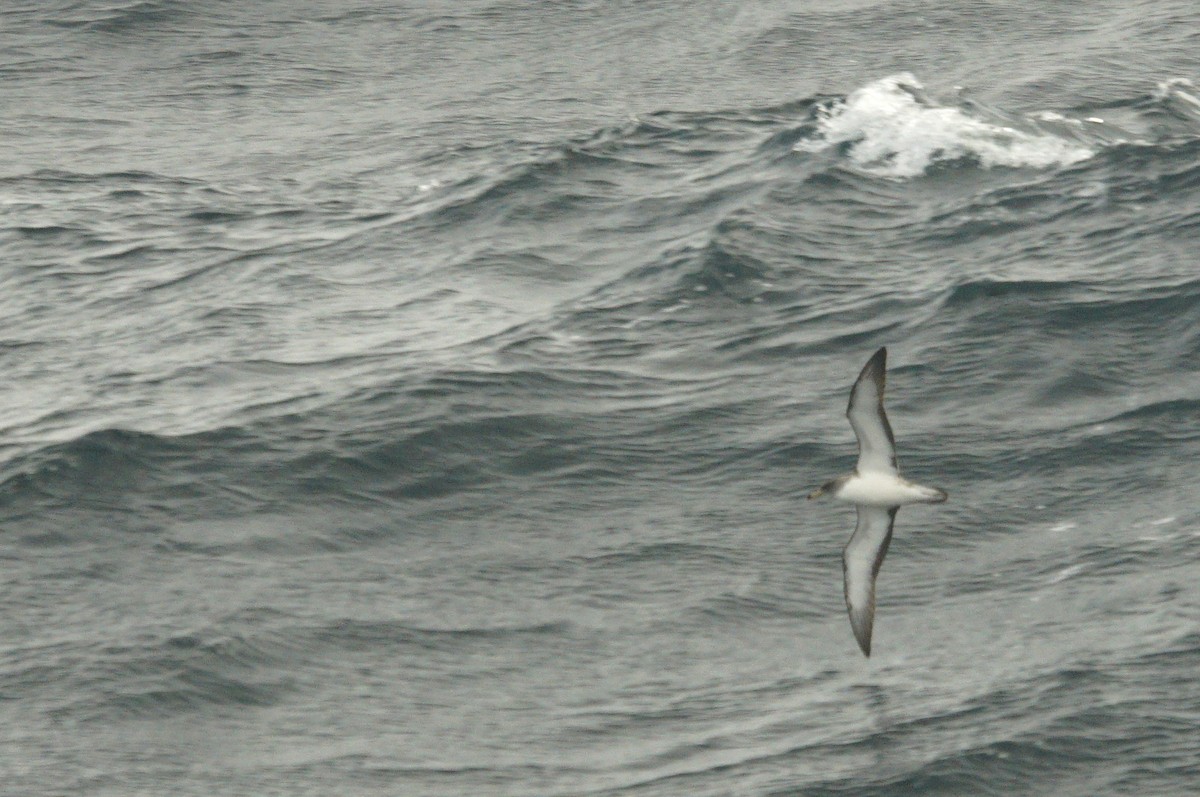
421	398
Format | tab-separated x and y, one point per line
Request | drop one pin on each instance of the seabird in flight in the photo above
877	491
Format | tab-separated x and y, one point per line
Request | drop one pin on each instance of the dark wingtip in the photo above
878	362
864	641
876	367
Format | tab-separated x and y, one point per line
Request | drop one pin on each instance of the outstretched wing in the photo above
876	445
861	560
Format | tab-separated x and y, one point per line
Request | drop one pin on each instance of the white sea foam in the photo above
1065	573
1175	87
1179	94
894	131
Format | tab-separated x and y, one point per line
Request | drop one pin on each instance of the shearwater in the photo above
877	491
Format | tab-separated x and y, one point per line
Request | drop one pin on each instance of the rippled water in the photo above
422	400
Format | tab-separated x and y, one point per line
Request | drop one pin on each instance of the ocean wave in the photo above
235	662
1179	98
1167	417
1151	317
187	691
895	737
366	634
141	18
115	180
356	452
132	474
891	128
719	268
731	607
633	178
652	554
990	290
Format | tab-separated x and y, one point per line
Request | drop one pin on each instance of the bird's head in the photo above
824	489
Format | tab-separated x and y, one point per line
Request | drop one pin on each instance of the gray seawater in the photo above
420	398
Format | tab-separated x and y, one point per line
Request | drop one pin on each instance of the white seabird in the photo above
877	491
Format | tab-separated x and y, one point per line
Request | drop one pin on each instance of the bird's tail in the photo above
932	495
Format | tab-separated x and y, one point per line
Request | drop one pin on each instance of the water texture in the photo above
420	399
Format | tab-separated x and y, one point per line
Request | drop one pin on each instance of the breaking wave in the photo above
891	128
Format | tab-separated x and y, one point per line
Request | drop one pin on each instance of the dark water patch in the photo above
717	459
213	57
722	270
214	216
39	655
142	254
1114	331
846	189
1104	450
134	475
263	535
673	139
107	571
444	459
561	383
350	634
718	271
1101	211
248	638
782	143
1151	173
146	18
651	141
220	266
989	291
186	692
1001	768
694	276
99	458
953	754
630	174
736	608
375	774
117	180
675	553
1071	385
182	674
1170	304
519	270
763	345
1169	418
1012	212
496	199
1133	557
242	316
45	232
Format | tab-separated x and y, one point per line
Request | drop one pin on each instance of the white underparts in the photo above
886	490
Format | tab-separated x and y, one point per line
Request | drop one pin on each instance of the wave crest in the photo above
890	128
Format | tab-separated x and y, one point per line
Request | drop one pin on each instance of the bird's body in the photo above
884	490
877	490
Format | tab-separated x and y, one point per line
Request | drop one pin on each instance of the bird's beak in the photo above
817	493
